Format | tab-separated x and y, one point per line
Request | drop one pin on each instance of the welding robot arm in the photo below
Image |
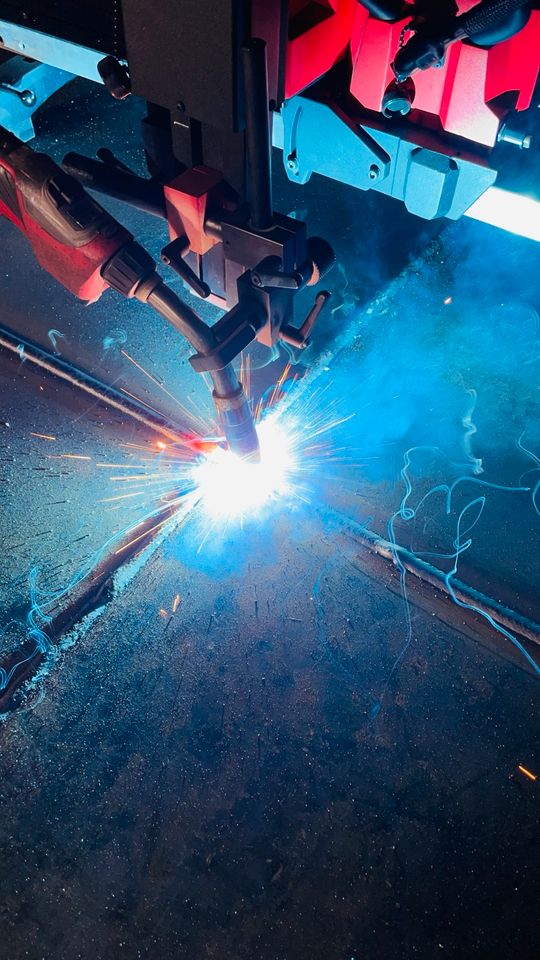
226	241
337	109
350	94
83	247
250	261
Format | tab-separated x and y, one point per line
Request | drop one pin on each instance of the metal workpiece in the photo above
28	351
432	180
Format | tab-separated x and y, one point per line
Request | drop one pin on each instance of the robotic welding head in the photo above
237	421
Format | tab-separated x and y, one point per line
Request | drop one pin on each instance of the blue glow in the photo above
232	487
508	211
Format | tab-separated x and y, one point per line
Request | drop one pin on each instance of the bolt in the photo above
28	97
515	137
292	163
374	172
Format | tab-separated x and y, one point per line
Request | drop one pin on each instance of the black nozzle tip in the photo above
243	440
238	426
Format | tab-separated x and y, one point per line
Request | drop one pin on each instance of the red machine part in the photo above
461	97
187	198
319	34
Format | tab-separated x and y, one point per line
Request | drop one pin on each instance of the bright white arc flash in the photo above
231	487
508	211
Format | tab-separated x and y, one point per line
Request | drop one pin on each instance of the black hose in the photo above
489	22
145	195
487	16
232	405
388	10
165	302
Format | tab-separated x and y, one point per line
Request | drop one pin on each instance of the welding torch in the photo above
86	250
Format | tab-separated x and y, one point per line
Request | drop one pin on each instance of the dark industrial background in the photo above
257	774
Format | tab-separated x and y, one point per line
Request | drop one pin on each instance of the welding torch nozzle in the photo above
238	424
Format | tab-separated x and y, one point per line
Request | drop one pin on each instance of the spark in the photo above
279	385
137	476
121	466
68	456
122	496
42	436
232	487
141	368
194	419
245	372
141	401
527	773
136	446
197	478
508	211
145	533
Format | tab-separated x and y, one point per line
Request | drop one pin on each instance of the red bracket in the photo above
187	198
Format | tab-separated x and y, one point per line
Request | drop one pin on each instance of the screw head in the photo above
28	97
292	163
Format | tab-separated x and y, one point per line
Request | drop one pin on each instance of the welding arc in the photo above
35	354
504	616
